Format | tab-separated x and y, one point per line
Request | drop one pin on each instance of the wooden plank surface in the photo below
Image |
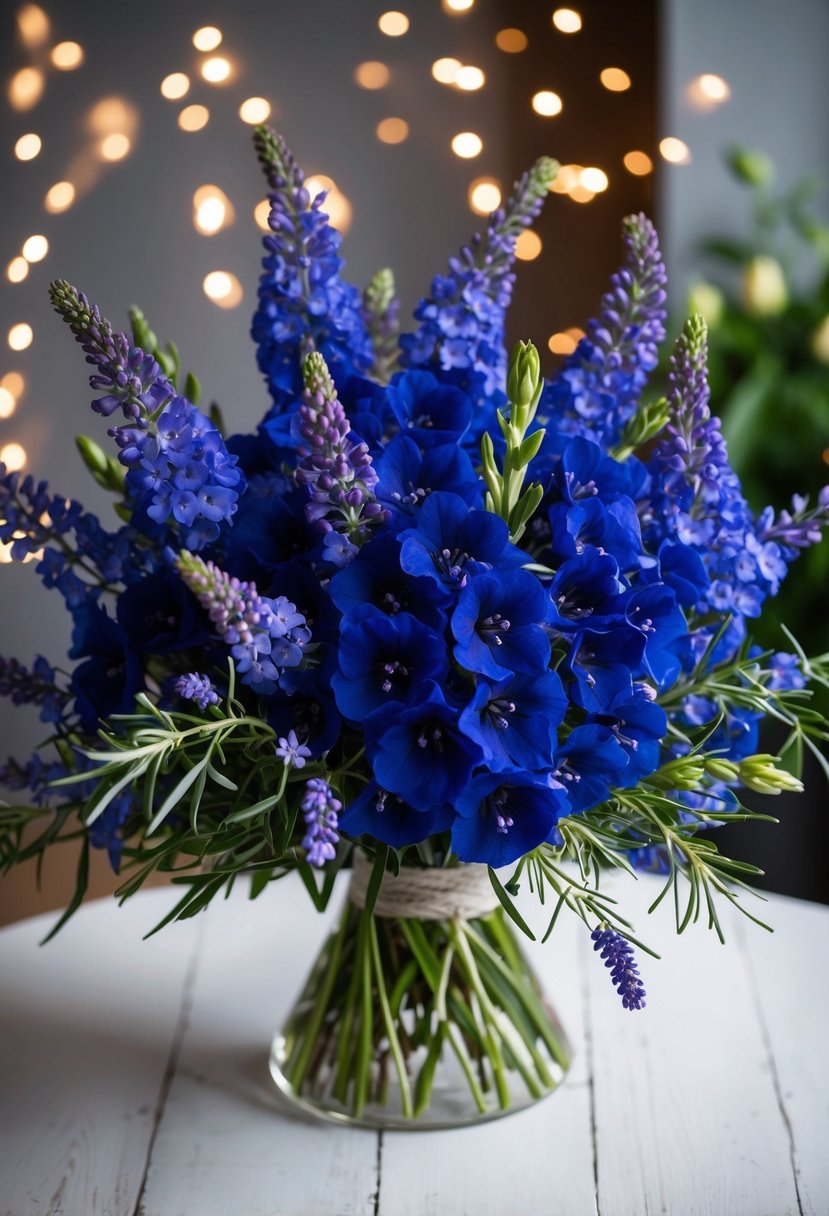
133	1077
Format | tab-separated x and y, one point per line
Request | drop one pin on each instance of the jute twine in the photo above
464	891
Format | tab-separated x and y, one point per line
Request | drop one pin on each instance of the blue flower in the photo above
653	610
450	543
613	528
159	615
515	720
107	682
502	816
586	592
406	476
639	725
197	688
385	659
308	709
497	624
389	818
429	412
604	665
423	755
682	569
375	577
587	764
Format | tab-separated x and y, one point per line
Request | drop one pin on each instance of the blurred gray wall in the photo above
774	56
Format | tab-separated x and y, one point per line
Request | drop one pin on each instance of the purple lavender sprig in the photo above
197	688
617	953
265	635
33	687
799	528
596	391
338	471
304	304
321	810
178	466
461	327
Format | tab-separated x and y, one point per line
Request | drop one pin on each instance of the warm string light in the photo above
193	118
59	197
566	341
547	103
484	195
28	146
254	110
207	38
32	25
594	180
528	246
392	130
469	78
35	248
466	145
26	88
445	70
707	91
66	56
674	150
17	270
7	403
567	20
115	146
511	40
616	80
13	456
638	163
175	86
212	210
223	288
261	213
372	75
457	6
393	24
13	383
216	70
20	336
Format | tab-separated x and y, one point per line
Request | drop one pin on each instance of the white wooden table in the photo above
134	1080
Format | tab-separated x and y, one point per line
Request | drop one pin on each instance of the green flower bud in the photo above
722	770
764	286
753	168
524	377
684	773
760	773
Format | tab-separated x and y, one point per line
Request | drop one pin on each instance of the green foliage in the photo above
506	495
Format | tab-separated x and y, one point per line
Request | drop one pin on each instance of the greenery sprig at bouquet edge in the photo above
436	606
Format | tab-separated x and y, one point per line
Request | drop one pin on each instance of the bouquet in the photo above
439	620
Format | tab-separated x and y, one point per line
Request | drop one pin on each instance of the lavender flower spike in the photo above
197	688
265	635
596	391
337	470
320	809
617	953
178	464
799	528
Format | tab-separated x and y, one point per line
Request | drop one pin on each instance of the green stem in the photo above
363	963
297	1071
458	932
391	1034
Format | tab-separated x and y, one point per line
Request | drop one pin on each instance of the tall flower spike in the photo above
596	391
381	309
303	302
265	635
617	953
320	809
338	471
177	462
461	328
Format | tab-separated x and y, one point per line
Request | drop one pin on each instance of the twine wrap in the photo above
463	892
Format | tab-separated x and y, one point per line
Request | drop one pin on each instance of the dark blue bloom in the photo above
497	624
407	476
639	725
308	708
617	953
613	528
450	543
389	818
604	665
585	592
515	720
427	411
423	755
682	569
502	816
375	577
385	659
653	610
587	764
106	683
159	615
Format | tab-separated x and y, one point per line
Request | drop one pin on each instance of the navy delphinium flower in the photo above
376	577
197	688
502	816
320	810
178	465
407	476
159	615
385	659
307	707
639	725
617	953
586	592
587	764
515	720
304	304
497	622
596	391
653	610
604	663
428	411
388	817
613	528
419	751
449	543
106	683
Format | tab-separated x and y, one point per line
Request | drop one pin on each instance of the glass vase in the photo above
419	1021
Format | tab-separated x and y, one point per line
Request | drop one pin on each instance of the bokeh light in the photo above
35	248
212	210
261	214
528	246
28	146
336	205
216	70
20	336
674	150
567	20
467	144
638	163
115	146
7	403
26	88
484	195
615	79
255	109
17	270
13	456
223	288
594	180
113	115
567	179
446	70
393	23
13	383
707	91
193	118
66	56
547	103
59	197
511	40
581	193
457	6
469	78
566	341
175	86
207	38
33	25
392	130
372	74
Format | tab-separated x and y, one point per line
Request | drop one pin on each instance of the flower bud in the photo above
753	168
706	300
722	770
524	375
764	286
759	773
684	773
